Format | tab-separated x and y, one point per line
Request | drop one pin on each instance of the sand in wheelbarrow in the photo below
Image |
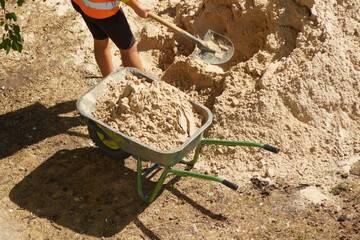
157	114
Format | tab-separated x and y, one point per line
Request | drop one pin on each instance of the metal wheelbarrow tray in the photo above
120	146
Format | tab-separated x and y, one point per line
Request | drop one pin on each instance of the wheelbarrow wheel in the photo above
109	147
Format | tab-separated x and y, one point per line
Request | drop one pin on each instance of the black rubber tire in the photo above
117	154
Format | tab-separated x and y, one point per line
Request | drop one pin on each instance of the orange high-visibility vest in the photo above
99	8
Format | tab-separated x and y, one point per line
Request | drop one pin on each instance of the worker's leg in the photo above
101	42
103	57
130	58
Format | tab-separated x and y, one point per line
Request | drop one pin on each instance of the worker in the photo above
106	20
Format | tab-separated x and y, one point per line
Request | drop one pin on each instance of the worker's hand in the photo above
140	10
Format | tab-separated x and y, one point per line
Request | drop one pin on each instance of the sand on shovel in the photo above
157	114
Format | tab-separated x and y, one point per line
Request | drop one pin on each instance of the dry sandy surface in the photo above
293	83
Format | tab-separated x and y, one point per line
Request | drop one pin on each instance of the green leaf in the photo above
7	48
2	23
15	46
6	27
7	42
20	2
10	16
20	47
2	3
11	34
18	36
16	28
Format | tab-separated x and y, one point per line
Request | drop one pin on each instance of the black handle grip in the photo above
271	149
230	184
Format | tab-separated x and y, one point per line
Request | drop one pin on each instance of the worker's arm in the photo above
139	9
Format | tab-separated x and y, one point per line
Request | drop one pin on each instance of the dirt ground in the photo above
293	83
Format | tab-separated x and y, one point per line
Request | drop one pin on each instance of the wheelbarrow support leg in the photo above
196	155
158	185
178	172
184	173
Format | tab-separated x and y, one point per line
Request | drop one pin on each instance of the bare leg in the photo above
131	58
103	56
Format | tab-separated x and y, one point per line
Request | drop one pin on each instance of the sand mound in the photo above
293	82
253	26
157	114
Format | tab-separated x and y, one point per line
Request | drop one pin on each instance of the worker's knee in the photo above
129	51
101	44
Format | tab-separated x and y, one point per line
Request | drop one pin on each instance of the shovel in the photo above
213	48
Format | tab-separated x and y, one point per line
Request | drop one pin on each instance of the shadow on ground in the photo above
33	124
84	191
89	193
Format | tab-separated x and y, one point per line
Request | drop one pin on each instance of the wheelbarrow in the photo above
120	146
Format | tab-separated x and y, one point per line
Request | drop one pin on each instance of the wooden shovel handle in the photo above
166	23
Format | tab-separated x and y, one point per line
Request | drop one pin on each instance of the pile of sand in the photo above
155	113
293	82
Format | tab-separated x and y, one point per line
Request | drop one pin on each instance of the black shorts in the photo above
115	27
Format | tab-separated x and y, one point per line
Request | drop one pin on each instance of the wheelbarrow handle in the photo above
230	184
239	143
271	148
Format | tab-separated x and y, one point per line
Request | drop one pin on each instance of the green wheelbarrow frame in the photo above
184	173
115	143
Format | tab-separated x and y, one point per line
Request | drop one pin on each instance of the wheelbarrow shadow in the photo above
84	191
34	123
89	193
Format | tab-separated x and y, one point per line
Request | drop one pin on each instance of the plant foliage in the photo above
11	38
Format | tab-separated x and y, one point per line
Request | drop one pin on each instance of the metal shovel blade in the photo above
218	48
